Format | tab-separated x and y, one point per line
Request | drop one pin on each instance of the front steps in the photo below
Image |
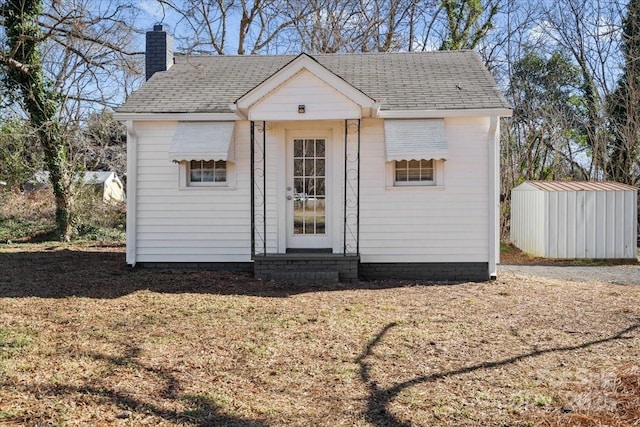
307	268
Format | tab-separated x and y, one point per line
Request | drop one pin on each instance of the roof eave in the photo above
434	114
185	117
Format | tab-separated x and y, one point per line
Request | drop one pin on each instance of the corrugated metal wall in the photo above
575	223
528	221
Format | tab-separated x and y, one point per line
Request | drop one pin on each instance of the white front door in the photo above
308	193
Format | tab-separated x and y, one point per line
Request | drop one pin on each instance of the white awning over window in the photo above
202	141
415	139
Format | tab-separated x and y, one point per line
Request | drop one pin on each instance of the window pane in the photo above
196	175
320	188
319	147
427	170
309	205
401	175
297	147
413	174
309	147
310	186
207	175
309	223
221	175
298	169
298	226
298	185
309	169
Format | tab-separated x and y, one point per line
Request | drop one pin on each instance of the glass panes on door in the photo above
309	178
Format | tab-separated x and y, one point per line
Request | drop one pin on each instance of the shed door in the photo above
308	193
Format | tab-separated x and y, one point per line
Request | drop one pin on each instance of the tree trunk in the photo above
60	178
42	104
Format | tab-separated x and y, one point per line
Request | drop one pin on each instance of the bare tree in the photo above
363	26
57	61
331	26
235	26
587	30
388	25
467	22
88	52
624	106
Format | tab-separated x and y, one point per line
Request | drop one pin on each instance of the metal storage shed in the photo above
575	219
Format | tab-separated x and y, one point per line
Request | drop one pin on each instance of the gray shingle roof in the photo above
442	80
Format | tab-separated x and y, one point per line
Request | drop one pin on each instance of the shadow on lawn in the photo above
58	273
379	397
200	410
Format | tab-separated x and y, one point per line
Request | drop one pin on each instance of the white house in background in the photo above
575	219
343	166
107	184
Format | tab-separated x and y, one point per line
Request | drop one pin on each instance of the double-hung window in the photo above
207	173
414	172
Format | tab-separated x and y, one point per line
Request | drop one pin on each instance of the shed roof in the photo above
442	80
97	177
578	186
88	177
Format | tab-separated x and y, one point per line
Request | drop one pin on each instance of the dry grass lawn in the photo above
85	341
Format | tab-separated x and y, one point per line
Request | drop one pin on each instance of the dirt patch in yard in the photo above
84	340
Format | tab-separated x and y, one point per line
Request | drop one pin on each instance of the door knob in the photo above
288	188
288	197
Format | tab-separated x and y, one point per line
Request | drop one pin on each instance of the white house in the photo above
336	166
107	184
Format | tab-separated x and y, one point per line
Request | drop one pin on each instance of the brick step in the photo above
306	277
307	268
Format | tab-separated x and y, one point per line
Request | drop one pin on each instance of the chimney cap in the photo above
158	27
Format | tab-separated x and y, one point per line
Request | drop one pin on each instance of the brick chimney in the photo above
159	51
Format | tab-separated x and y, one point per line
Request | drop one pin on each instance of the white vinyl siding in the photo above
321	101
447	223
200	224
443	223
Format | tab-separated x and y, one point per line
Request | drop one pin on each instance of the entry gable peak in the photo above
298	65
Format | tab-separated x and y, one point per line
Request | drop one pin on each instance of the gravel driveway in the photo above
617	274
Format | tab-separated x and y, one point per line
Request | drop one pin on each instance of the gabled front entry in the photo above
309	192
